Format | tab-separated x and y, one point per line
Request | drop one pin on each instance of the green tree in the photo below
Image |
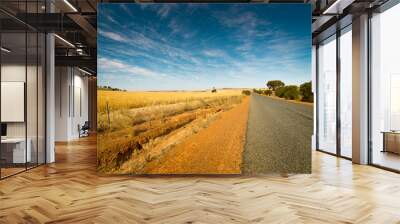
306	92
275	84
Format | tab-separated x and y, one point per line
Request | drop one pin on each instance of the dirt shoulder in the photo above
216	149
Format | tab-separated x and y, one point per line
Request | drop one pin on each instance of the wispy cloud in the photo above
165	9
113	66
113	36
126	9
247	23
243	19
110	18
214	53
178	28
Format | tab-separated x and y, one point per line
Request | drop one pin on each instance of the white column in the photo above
50	100
50	92
360	89
314	90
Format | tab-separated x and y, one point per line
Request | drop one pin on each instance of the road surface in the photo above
278	137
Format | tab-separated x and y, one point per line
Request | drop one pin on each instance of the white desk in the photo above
18	150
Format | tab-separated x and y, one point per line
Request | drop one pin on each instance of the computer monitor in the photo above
3	129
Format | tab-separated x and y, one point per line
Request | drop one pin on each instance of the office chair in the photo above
84	130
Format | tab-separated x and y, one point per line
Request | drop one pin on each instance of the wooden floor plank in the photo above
71	191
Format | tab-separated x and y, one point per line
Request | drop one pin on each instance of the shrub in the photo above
246	92
306	92
259	91
268	92
280	92
291	93
288	92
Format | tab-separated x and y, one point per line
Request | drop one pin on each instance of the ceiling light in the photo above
337	7
70	5
65	41
79	51
5	50
84	71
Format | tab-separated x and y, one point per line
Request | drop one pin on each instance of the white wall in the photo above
71	102
62	81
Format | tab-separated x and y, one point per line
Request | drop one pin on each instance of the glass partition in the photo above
13	94
327	98
22	77
385	89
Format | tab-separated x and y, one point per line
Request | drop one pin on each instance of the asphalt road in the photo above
278	138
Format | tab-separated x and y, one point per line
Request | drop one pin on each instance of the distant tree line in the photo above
290	92
267	92
109	88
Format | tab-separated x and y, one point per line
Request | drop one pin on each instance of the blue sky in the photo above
200	46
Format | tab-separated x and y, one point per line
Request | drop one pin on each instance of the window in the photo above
327	95
346	92
385	89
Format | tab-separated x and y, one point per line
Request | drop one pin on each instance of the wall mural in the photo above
204	88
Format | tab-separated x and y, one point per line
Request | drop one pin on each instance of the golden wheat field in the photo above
132	99
135	128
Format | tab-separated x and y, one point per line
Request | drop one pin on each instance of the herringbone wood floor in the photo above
70	191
